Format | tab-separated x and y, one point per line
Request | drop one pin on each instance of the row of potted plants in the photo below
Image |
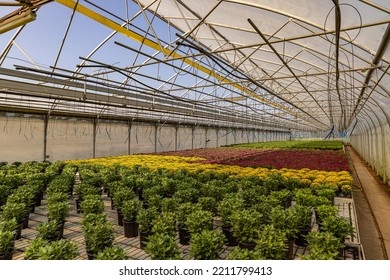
164	203
23	186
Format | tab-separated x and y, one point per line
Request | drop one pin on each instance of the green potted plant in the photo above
57	197
33	250
15	211
208	203
130	209
122	194
282	197
169	204
323	211
40	249
183	211
304	218
111	253
145	219
7	242
246	227
162	246
97	237
207	244
244	254
338	226
9	225
323	246
225	209
51	230
271	243
4	192
58	211
92	204
199	220
165	224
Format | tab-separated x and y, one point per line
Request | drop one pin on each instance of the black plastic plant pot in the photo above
130	229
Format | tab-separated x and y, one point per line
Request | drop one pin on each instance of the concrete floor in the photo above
372	201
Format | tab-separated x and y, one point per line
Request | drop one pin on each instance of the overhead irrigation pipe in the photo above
285	64
337	53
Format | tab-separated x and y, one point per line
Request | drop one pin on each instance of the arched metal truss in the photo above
300	65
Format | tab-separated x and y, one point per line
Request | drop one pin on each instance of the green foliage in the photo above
48	230
207	244
58	211
272	243
165	224
111	253
285	220
246	225
146	217
6	242
169	204
338	226
208	203
183	211
323	246
227	206
244	254
324	211
302	144
98	236
162	247
92	204
130	209
303	215
57	197
122	194
14	210
8	225
41	249
198	221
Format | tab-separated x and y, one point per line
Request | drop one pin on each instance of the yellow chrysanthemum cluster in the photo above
173	163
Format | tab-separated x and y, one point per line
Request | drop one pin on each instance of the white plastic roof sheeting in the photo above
307	65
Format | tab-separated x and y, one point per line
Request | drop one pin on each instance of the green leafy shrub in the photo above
162	247
207	244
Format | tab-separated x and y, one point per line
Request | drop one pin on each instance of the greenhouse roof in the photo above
301	65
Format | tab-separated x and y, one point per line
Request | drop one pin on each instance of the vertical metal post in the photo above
45	126
192	137
176	137
155	137
227	135
217	132
129	125
94	137
205	140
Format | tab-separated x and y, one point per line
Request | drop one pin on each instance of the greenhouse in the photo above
194	130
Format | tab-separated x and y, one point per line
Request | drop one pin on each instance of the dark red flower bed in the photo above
325	160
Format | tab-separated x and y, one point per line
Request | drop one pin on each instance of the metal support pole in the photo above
192	137
94	137
205	140
217	132
129	125
45	126
155	137
176	137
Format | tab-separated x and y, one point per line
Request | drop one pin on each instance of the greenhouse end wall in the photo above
27	137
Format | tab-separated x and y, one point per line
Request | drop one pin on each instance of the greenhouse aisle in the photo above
372	200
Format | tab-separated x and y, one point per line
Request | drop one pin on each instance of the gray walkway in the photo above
372	200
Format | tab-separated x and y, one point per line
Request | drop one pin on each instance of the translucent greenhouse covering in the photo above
202	73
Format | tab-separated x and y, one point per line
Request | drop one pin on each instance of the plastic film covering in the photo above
21	138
